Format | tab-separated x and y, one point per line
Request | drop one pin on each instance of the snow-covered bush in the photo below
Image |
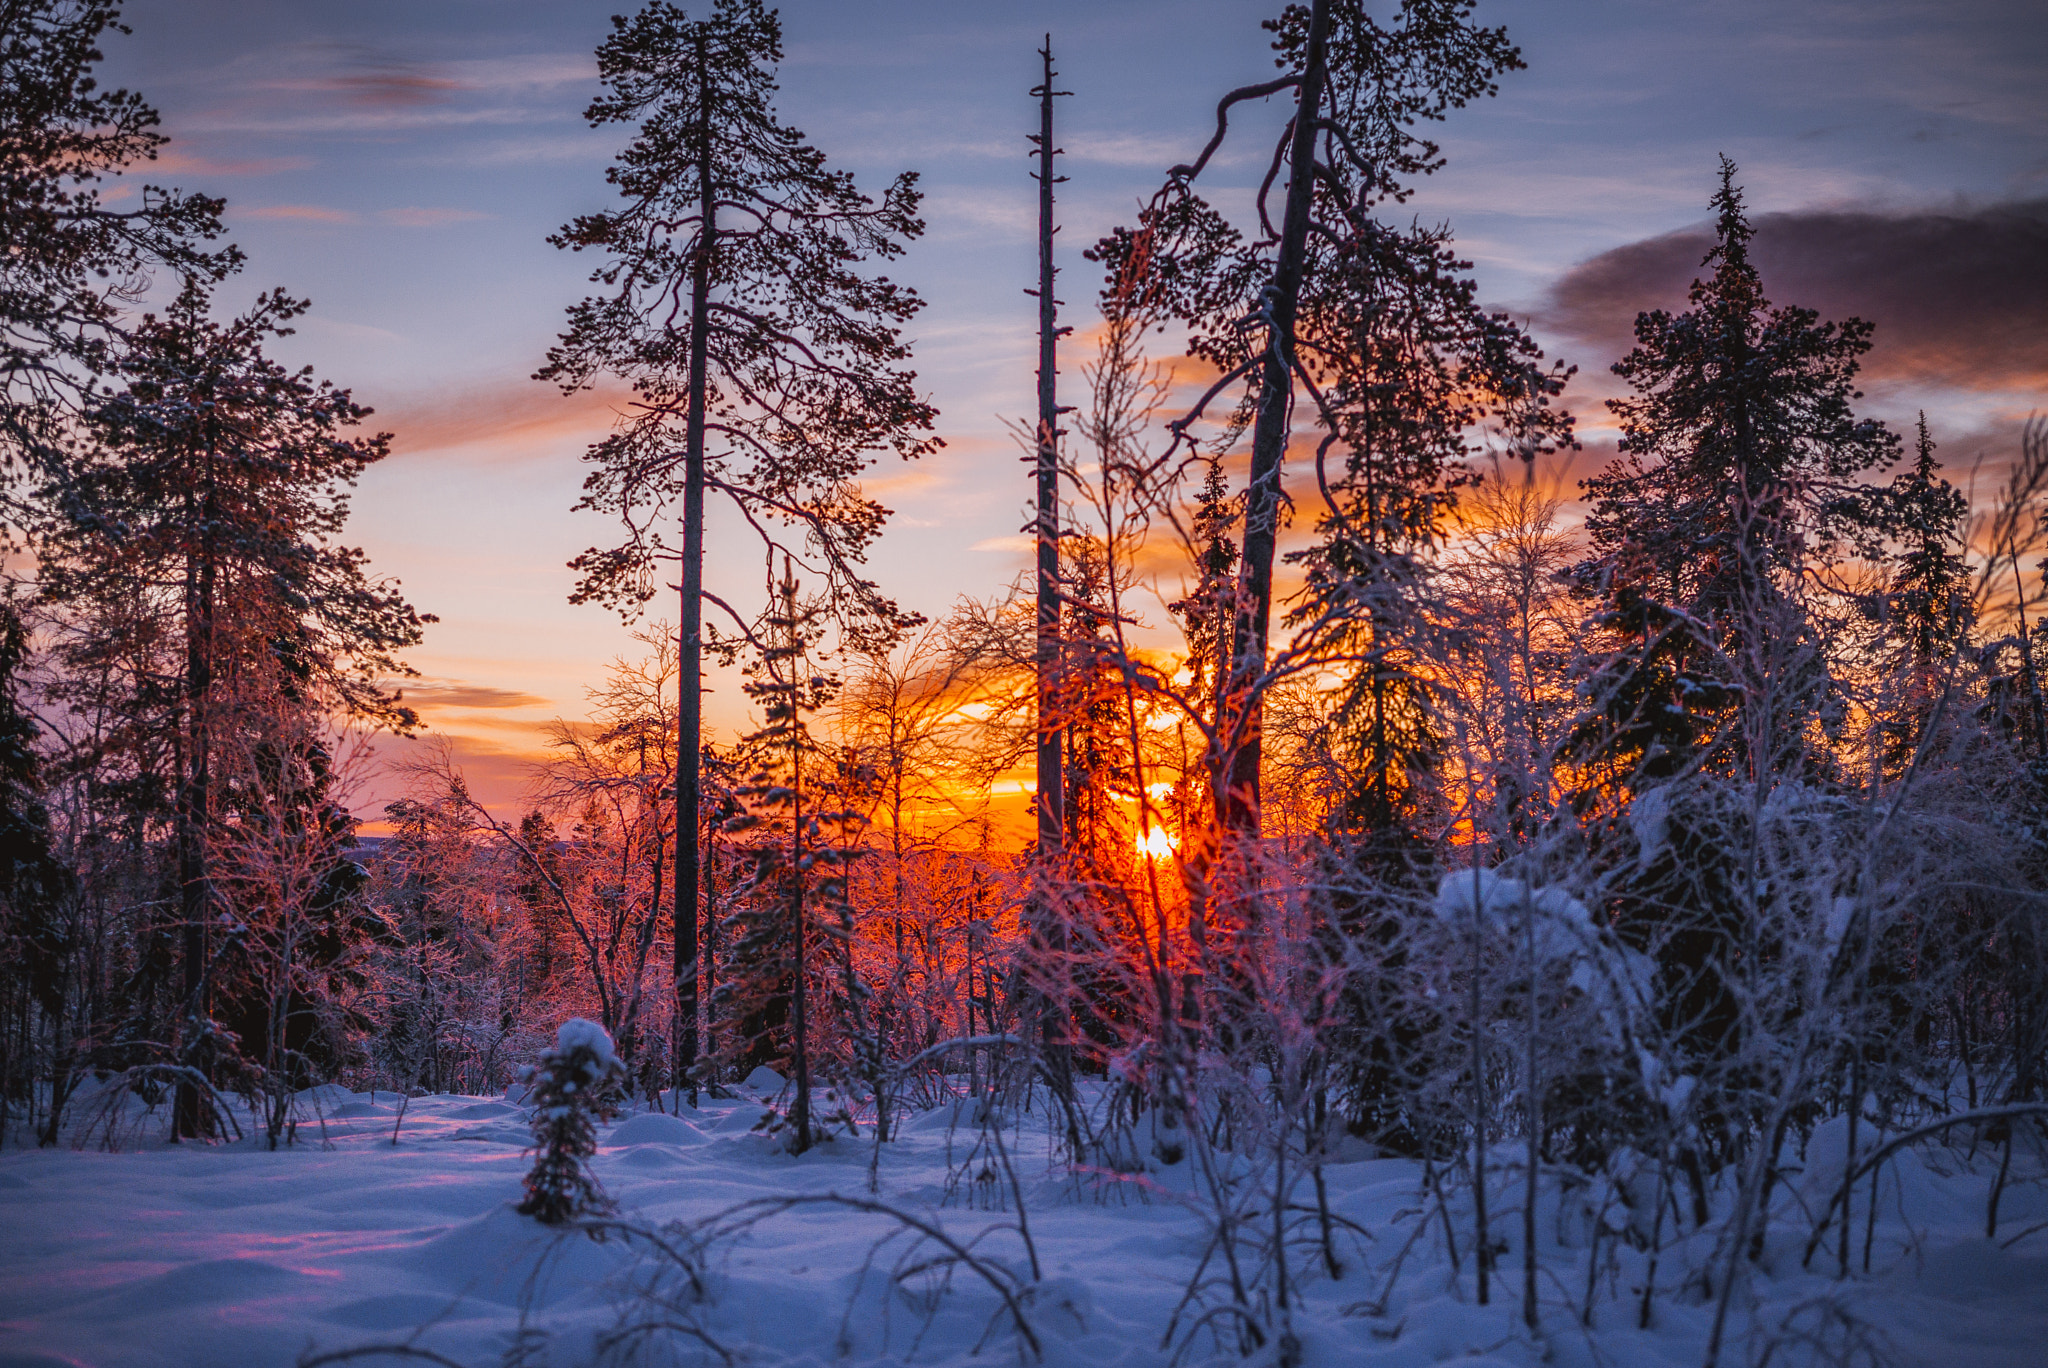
571	1087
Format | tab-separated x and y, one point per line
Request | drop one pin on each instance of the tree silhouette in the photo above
1738	477
70	265
213	492
765	366
1315	282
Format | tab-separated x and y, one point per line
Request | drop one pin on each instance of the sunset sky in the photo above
402	163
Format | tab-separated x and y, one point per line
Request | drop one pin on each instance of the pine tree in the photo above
211	495
1740	473
765	366
1340	297
571	1093
1927	610
70	265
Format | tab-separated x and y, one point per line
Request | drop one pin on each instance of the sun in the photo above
1157	843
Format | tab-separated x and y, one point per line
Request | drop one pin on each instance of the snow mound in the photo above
208	1281
741	1118
765	1080
506	1258
652	1157
325	1098
653	1128
581	1033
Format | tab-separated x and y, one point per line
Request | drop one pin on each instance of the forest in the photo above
1587	848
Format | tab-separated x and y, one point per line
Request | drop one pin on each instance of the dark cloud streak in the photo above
428	693
1960	298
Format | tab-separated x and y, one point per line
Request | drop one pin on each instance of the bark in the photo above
1049	928
1237	796
690	643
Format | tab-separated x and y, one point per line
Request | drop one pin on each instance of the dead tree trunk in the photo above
1048	926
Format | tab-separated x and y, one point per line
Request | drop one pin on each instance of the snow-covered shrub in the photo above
571	1087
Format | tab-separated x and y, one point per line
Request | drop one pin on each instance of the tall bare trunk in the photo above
1049	927
690	634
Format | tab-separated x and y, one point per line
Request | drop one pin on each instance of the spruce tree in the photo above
572	1090
210	496
1740	483
800	838
1740	474
766	366
1927	610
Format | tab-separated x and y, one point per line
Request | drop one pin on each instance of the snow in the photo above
189	1256
765	1080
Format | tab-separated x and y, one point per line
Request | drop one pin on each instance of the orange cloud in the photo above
427	694
515	414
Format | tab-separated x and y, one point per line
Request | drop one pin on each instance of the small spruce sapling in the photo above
572	1087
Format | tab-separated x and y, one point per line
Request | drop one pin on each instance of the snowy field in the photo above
187	1256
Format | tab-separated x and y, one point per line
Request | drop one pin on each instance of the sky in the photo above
402	162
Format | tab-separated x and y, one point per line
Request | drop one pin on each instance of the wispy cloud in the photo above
304	213
517	415
412	217
178	163
398	87
339	87
1013	543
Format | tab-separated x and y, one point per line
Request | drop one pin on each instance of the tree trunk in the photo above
190	1114
800	1114
690	642
1237	795
1048	928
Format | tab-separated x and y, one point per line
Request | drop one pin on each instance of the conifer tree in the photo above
1928	609
572	1087
800	842
37	935
211	494
766	367
1335	297
1739	474
1740	480
70	263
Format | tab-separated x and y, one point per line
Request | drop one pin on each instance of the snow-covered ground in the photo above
188	1256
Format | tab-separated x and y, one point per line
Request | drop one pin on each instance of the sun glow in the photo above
1157	843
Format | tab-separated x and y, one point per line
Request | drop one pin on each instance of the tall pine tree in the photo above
1740	475
766	366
